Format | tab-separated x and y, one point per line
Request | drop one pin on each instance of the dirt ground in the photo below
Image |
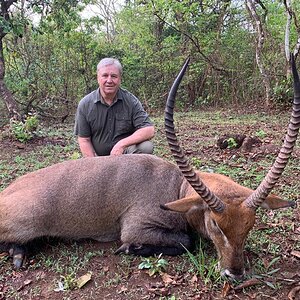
55	268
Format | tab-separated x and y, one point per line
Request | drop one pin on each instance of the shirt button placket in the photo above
110	120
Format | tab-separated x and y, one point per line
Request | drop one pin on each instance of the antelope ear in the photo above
275	202
183	205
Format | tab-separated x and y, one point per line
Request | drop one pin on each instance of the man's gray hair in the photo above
109	61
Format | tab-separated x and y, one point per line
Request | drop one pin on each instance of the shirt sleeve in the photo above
82	127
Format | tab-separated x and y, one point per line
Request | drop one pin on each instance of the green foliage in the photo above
205	266
51	64
24	131
68	282
232	143
260	134
16	25
154	264
283	92
267	271
197	163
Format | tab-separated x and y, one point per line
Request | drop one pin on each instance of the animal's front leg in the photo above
150	250
153	241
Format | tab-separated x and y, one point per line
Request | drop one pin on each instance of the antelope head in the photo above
228	208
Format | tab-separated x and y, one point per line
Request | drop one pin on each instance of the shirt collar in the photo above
99	98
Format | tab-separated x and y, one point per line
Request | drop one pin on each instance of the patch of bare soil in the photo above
118	277
112	277
10	147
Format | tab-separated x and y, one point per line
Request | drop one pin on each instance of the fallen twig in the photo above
248	283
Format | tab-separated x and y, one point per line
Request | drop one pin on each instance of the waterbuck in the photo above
228	216
121	197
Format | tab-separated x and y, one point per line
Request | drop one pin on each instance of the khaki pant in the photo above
144	147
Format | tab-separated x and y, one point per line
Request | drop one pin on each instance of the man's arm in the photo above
140	135
86	146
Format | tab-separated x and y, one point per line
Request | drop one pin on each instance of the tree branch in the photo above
194	40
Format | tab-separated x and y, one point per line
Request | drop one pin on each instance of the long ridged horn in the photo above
260	194
187	170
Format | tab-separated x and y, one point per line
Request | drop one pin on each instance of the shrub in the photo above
23	131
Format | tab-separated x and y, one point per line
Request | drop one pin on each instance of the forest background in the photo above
239	52
240	55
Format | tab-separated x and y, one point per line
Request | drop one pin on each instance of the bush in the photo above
24	131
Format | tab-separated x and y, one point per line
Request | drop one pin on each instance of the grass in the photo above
204	264
197	131
247	172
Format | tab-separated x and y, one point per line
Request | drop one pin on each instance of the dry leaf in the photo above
266	262
122	290
194	279
81	281
27	281
289	275
167	279
296	253
226	289
19	145
293	293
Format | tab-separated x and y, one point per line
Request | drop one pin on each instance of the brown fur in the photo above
110	198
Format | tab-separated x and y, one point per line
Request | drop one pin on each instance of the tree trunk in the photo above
5	94
257	23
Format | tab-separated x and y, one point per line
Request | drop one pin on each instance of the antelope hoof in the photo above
18	254
128	248
237	276
19	260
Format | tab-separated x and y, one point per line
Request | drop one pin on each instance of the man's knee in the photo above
144	147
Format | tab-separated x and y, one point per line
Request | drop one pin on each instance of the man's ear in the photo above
275	202
183	205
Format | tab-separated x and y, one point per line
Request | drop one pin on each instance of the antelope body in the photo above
104	198
111	198
121	197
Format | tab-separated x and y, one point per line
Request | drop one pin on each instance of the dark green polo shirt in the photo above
105	124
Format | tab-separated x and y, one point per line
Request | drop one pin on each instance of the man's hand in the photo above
118	149
137	137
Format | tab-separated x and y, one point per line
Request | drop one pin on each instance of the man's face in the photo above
109	80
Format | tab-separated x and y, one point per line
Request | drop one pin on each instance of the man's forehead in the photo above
109	69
